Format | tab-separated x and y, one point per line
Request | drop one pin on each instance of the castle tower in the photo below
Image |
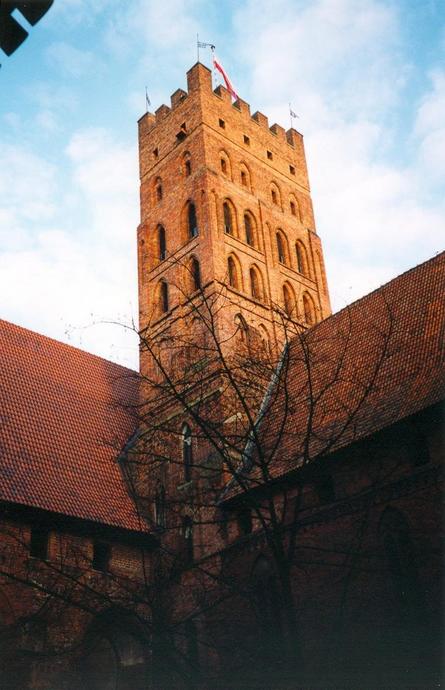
225	201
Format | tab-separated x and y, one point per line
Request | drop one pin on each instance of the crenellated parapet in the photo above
201	104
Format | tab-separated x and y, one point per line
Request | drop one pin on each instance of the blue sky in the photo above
366	77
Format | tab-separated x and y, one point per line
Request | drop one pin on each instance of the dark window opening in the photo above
244	519
243	178
192	222
222	124
246	140
192	648
188	167
159	192
293	208
248	228
301	268
292	170
233	275
228	227
288	301
270	155
187	452
101	556
181	135
160	517
38	545
325	489
308	309
187	533
280	249
155	152
223	166
254	284
419	451
164	296
274	197
196	274
162	243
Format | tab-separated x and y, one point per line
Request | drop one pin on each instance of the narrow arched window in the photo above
192	221
274	197
233	273
195	271
160	506
187	533
188	167
223	163
241	327
301	259
255	287
243	178
249	230
187	452
268	605
162	243
289	302
401	563
293	208
228	224
158	189
280	249
308	309
164	296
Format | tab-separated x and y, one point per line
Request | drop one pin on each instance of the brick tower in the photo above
225	200
226	211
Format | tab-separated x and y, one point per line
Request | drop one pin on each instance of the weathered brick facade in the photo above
153	535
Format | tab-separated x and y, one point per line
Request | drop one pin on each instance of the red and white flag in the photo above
228	83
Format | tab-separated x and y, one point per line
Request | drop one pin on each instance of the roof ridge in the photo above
369	294
31	332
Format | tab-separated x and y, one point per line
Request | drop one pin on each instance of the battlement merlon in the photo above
197	102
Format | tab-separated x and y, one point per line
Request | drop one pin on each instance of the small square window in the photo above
156	153
246	140
292	170
270	155
101	556
222	124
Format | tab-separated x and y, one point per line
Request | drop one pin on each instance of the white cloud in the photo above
71	60
62	280
341	64
430	127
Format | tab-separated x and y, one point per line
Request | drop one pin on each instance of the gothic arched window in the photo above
187	533
233	273
250	239
195	274
160	506
228	221
187	452
289	300
302	264
268	609
164	301
401	563
158	189
255	283
192	220
162	244
282	248
308	309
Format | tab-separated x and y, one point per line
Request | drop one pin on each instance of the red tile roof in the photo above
370	365
64	416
